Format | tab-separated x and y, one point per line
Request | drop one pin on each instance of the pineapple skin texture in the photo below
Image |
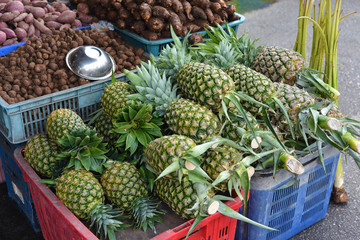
180	197
61	121
279	64
80	191
160	152
204	84
185	117
218	160
114	98
40	152
253	84
123	184
294	99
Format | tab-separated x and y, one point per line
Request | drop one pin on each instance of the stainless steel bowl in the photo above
90	62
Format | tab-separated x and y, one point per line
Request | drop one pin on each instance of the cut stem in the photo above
291	164
329	123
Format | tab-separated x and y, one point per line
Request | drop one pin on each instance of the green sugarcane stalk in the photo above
305	8
325	39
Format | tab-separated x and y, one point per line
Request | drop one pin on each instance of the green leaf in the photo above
286	115
84	157
174	166
196	177
197	220
288	183
227	211
140	136
268	124
223	176
130	140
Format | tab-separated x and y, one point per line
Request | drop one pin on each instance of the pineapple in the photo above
220	159
294	100
103	126
40	152
279	64
82	194
253	84
204	84
124	187
180	197
184	117
114	98
162	152
123	184
62	121
197	121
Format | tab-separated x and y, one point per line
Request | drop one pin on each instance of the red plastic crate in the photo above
59	223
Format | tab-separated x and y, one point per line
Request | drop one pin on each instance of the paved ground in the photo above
277	25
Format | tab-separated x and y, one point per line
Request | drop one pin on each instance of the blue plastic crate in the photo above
294	208
5	50
18	189
154	47
21	121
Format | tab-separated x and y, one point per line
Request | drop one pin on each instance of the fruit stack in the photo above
189	128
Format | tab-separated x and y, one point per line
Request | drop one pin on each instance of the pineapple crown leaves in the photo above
173	56
146	213
107	221
152	87
310	80
82	148
221	55
243	46
136	126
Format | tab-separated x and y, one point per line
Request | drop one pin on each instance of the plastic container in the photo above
21	121
294	208
18	189
154	47
58	223
5	50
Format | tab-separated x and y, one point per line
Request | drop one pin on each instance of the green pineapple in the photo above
294	100
82	194
62	121
204	84
103	126
179	114
253	84
279	64
40	152
114	98
180	197
162	152
220	159
197	121
124	187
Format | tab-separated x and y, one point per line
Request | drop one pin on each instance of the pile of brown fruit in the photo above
151	19
39	68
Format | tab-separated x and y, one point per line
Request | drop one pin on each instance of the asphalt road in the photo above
277	25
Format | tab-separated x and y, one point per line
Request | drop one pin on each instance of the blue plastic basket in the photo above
294	208
154	47
21	121
5	50
18	189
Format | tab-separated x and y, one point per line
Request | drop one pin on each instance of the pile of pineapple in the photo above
189	127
